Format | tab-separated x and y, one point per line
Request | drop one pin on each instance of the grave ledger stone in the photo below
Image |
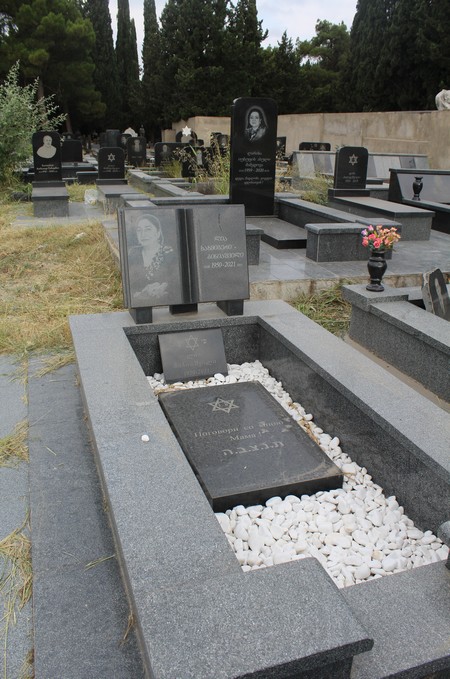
350	172
178	256
244	447
253	154
192	355
47	156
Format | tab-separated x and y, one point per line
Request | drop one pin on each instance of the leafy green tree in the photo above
21	114
282	78
128	67
323	59
194	58
106	76
53	43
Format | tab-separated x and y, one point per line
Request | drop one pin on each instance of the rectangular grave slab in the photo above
244	447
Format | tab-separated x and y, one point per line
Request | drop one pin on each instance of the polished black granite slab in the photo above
244	447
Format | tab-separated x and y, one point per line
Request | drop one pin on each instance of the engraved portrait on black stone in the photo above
256	124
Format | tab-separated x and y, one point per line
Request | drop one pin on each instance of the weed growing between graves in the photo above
14	447
315	189
47	274
327	308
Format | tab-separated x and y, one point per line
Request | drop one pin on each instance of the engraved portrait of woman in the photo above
256	125
148	262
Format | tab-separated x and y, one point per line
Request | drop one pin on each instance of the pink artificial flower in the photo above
377	243
372	236
365	242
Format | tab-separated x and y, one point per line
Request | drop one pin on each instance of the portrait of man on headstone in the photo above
256	124
47	150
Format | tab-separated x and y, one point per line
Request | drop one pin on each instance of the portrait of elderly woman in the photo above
256	125
148	263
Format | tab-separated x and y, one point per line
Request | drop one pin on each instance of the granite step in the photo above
278	233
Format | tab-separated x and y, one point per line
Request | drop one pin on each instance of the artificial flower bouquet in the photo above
378	238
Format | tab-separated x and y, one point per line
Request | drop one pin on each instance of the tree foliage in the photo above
105	76
53	43
152	77
21	114
128	67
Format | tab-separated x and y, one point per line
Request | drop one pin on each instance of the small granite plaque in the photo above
244	447
192	355
111	163
47	156
253	154
350	170
435	295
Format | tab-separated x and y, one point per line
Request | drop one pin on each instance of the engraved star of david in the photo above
353	160
186	131
223	405
192	342
111	157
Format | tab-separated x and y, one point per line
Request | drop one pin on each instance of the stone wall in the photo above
410	132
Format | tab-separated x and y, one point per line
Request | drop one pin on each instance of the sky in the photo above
297	17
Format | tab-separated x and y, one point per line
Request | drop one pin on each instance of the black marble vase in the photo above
377	266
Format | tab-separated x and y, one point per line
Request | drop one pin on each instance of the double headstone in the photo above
178	257
253	154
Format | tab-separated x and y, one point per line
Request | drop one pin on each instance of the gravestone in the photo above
72	151
281	147
124	141
435	295
112	138
183	256
192	355
314	146
350	172
111	163
47	156
186	136
244	447
166	152
137	151
253	154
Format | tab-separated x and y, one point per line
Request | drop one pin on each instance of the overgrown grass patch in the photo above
328	308
47	274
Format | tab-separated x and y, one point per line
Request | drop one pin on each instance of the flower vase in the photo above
377	266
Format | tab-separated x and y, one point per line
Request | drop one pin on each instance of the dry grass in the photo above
14	447
15	584
328	308
47	274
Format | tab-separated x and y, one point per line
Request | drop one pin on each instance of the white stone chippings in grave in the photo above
355	532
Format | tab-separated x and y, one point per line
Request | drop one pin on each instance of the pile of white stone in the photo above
355	532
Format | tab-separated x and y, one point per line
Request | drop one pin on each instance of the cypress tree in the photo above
246	55
193	56
106	77
151	78
128	67
368	36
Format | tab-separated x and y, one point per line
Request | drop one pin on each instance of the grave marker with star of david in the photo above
244	447
111	163
192	355
350	170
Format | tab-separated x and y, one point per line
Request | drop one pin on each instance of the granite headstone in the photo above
350	169
166	152
192	355
435	294
111	163
314	146
72	151
253	154
136	151
47	156
244	447
112	138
